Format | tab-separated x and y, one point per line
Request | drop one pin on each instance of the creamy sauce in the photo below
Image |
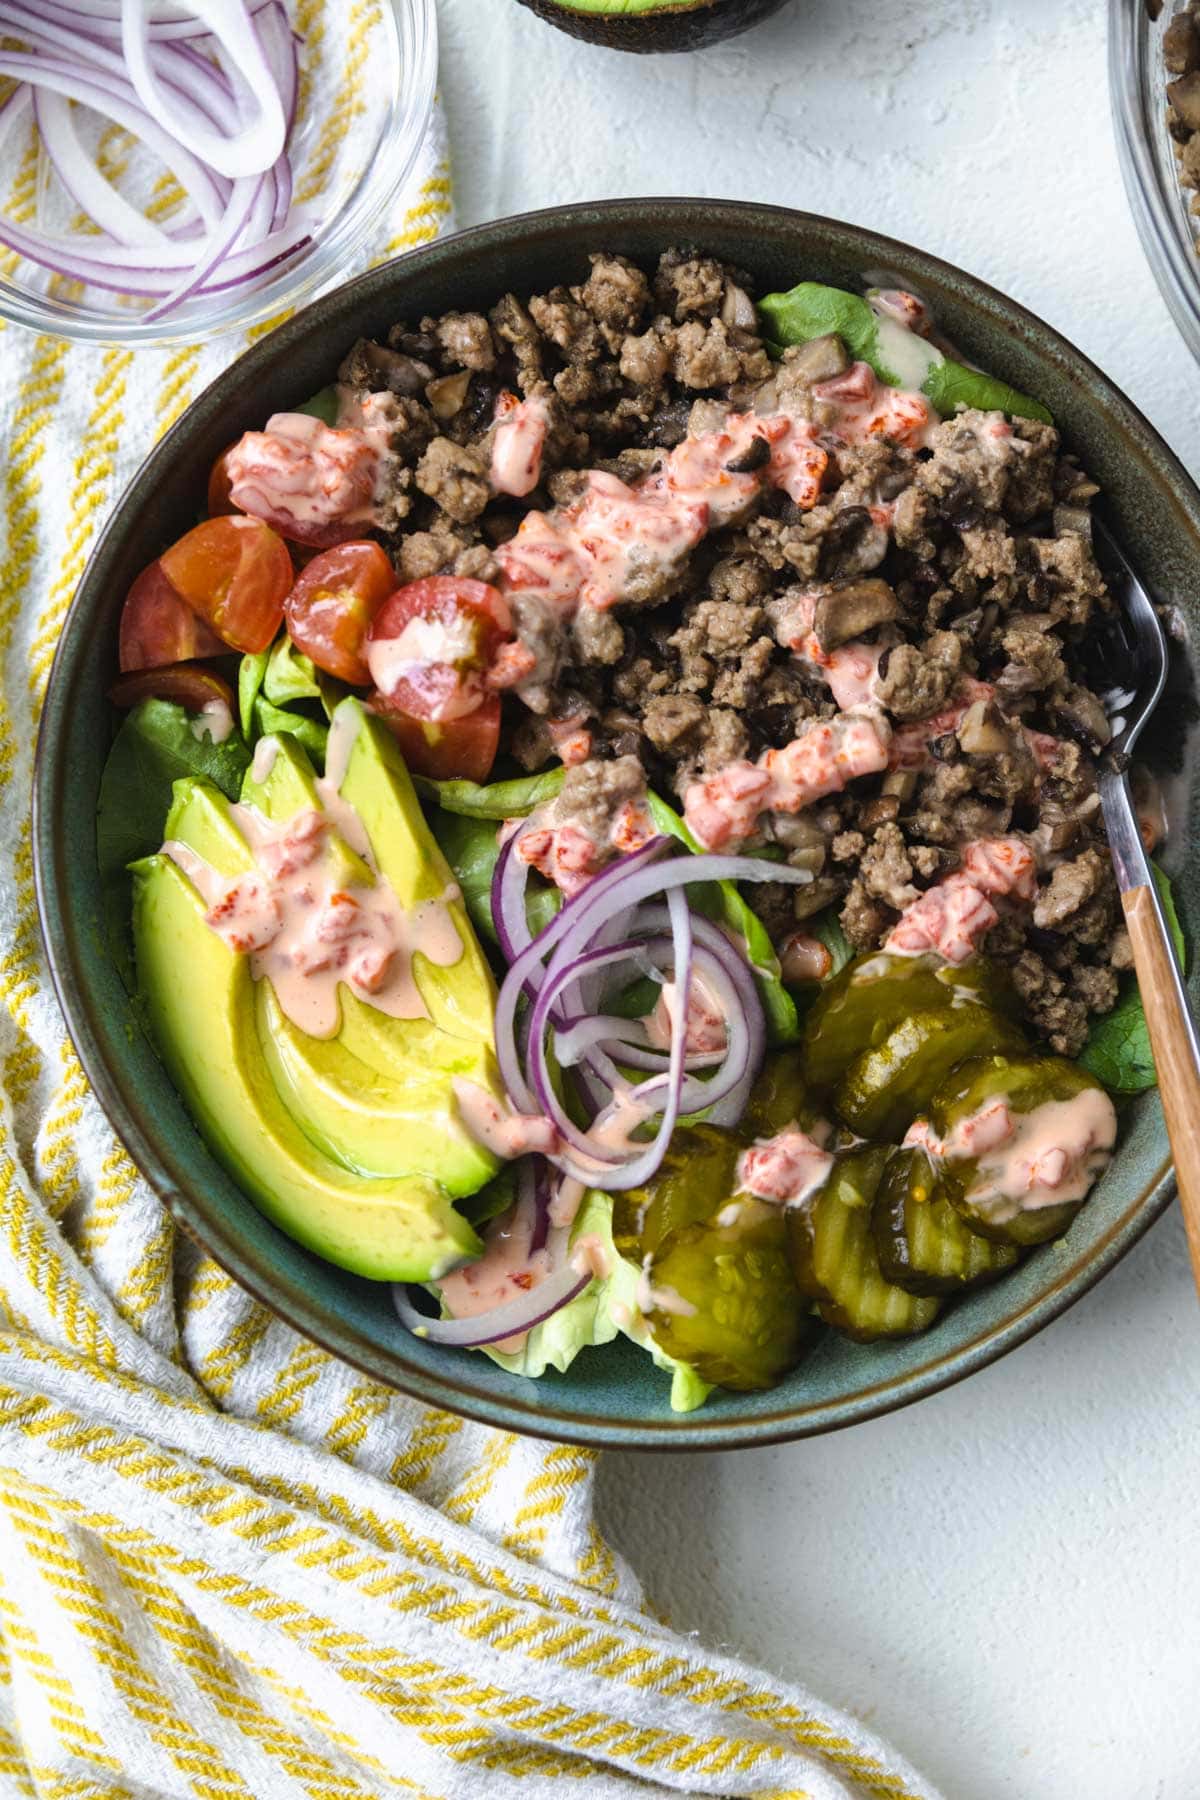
1026	1161
498	1128
568	854
867	409
306	930
600	549
507	1269
661	1299
725	808
517	444
787	1168
263	760
306	474
955	914
424	643
905	355
852	670
704	1031
214	721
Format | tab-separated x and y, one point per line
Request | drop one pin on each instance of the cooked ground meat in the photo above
960	572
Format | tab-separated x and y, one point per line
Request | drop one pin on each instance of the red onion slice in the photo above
512	1319
259	141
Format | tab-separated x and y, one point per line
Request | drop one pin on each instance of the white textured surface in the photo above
1006	1578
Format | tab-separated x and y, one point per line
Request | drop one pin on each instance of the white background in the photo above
1004	1579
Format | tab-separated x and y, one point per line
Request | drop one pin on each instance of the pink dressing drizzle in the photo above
304	927
725	808
952	916
304	473
1025	1161
517	443
789	1167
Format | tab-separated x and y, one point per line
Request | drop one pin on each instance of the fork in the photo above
1131	670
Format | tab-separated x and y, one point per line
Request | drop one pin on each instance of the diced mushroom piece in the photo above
984	731
737	308
848	611
883	810
1073	521
902	783
1084	717
448	394
373	365
820	359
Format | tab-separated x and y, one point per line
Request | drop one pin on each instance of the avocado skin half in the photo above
692	25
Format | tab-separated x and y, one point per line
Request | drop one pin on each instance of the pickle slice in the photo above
923	1244
779	1098
723	1298
861	1005
696	1177
1025	1083
835	1260
885	1088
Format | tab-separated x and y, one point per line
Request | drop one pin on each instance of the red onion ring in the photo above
512	1319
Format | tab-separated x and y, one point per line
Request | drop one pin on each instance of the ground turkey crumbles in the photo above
801	608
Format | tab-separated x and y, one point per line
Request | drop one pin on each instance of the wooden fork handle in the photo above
1173	1041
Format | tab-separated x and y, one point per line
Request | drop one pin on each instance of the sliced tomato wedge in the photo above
431	642
236	573
219	483
159	627
335	598
190	684
461	749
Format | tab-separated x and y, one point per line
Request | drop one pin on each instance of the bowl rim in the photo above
62	936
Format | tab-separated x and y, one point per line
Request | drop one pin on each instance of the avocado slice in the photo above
375	1123
461	998
371	1112
647	25
200	1002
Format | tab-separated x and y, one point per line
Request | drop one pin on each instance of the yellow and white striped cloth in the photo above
229	1565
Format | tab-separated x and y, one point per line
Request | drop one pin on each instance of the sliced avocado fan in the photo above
352	1145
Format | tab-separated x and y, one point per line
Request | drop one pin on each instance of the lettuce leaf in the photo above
496	800
606	1309
1118	1049
721	901
154	748
251	671
312	733
471	845
289	675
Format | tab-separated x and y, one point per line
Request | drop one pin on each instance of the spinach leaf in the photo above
811	310
311	733
472	848
251	671
1118	1049
154	748
497	800
721	901
289	675
323	406
950	385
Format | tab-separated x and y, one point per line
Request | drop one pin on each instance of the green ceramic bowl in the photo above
611	1396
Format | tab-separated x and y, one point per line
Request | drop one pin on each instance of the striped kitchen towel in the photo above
230	1566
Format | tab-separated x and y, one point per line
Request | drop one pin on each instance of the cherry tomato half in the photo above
451	629
190	684
236	573
158	627
461	749
334	601
219	481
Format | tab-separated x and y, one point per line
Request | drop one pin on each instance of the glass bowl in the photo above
367	75
1138	88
